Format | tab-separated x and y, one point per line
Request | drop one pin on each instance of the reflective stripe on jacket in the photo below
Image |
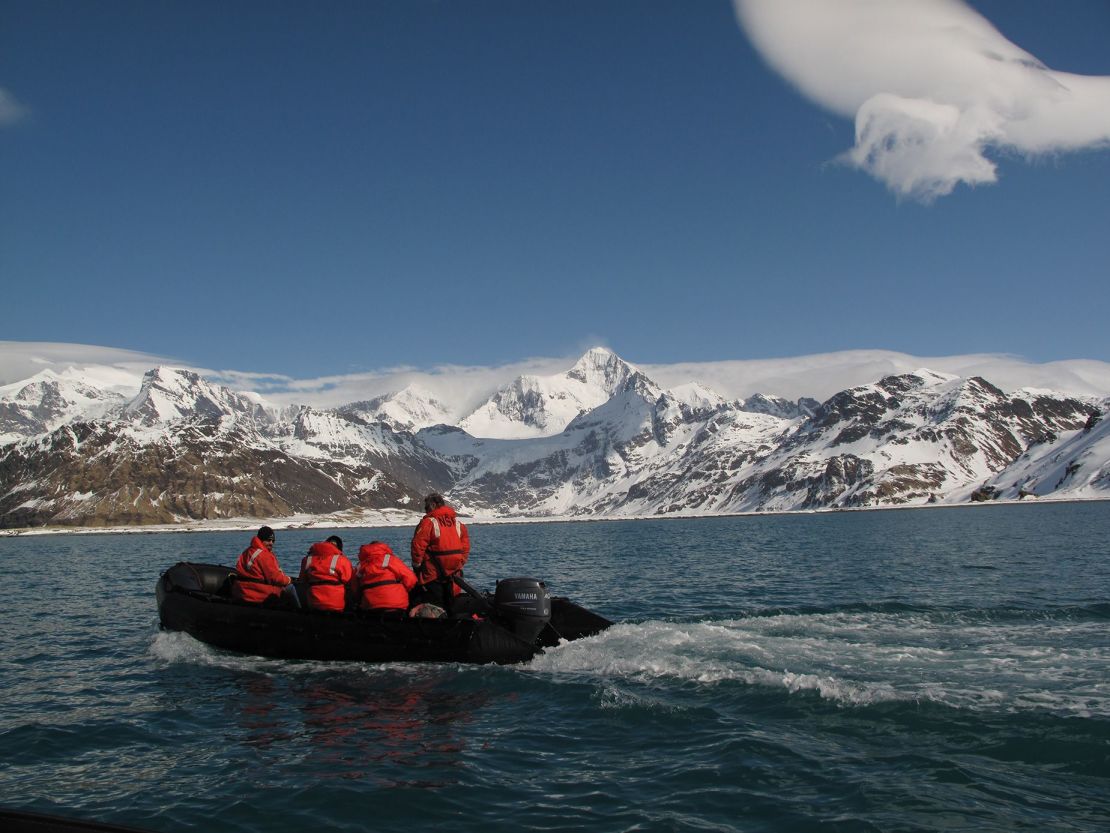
440	546
384	580
326	572
259	575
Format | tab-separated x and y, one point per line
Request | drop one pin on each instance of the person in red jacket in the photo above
326	575
259	578
440	548
384	580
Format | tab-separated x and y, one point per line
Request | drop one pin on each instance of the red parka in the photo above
440	546
259	576
327	572
384	580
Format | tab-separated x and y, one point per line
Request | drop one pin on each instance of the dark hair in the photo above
334	539
265	534
434	501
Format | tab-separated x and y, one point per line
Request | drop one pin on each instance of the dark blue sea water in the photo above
920	670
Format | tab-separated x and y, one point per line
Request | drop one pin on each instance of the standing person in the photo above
384	580
259	577
326	575
440	547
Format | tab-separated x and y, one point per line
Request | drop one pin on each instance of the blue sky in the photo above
315	188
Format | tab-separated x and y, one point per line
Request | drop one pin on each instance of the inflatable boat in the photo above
513	624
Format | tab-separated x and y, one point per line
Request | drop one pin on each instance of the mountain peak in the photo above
601	367
542	406
48	400
171	393
409	409
28	386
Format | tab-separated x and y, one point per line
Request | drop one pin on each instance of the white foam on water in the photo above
860	659
619	697
177	647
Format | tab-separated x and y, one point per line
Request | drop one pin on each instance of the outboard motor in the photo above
526	603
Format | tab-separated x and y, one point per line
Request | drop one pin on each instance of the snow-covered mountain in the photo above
168	394
601	440
46	401
1072	462
641	452
917	438
408	409
184	448
541	406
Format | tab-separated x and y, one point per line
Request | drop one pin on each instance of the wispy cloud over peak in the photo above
931	84
11	111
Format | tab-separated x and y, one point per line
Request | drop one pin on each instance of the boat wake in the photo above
1048	661
1006	661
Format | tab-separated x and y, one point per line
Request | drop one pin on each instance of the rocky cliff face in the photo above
906	439
186	449
1059	461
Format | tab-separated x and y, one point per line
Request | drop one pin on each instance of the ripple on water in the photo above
835	685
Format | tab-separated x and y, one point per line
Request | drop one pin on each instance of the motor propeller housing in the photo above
526	603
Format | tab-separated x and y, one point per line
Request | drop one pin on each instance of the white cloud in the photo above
110	367
932	85
463	388
11	111
821	375
122	370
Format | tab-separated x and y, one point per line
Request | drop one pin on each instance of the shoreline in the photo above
406	518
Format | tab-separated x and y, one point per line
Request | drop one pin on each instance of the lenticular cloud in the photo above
931	85
11	111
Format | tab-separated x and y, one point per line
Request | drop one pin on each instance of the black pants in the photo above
434	592
439	593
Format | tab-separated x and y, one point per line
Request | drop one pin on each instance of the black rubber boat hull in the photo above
192	598
19	821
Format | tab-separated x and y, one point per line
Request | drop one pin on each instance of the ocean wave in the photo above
863	659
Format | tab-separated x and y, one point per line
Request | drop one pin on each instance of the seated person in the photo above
384	580
259	578
326	575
